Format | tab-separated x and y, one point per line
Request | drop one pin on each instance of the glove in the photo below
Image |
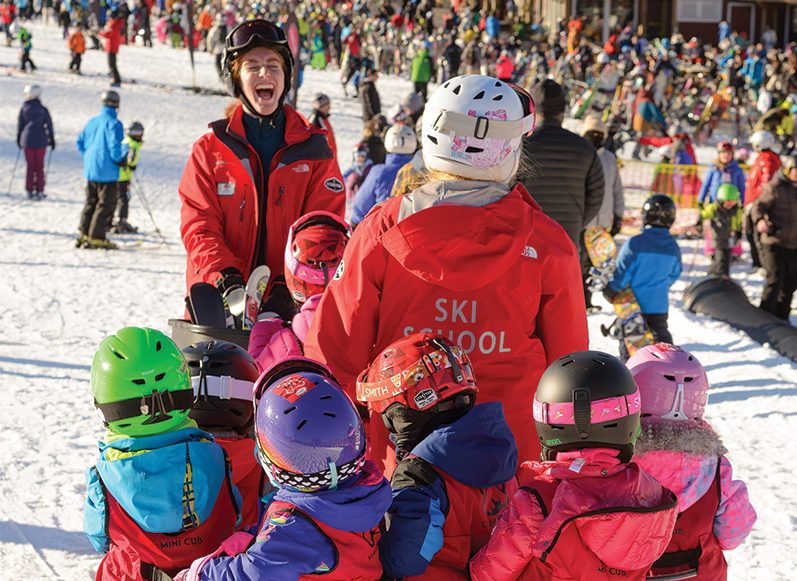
52	145
735	237
279	301
617	223
232	287
609	294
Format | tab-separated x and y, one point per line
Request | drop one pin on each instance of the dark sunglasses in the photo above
243	34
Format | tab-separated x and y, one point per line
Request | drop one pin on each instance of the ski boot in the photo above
124	227
82	241
100	243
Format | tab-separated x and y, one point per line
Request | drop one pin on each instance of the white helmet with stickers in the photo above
761	140
473	125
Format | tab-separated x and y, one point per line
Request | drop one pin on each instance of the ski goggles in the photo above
601	410
258	32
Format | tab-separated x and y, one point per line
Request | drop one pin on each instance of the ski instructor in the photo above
257	171
468	255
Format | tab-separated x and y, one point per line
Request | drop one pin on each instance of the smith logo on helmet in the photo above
334	185
425	398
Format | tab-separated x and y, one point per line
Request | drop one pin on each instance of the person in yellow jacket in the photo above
134	140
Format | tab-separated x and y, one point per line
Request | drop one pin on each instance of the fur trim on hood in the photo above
689	437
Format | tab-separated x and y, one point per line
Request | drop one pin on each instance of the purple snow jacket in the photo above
35	127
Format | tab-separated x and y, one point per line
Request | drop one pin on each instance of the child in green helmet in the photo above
161	493
726	215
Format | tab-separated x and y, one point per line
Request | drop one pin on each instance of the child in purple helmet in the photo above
682	451
324	518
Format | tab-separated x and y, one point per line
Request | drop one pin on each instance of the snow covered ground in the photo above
57	303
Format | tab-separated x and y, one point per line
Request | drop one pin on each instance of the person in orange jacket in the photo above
256	172
465	256
76	43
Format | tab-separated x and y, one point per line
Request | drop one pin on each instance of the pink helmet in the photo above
672	382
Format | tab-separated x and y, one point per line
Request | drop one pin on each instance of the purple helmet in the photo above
308	433
672	382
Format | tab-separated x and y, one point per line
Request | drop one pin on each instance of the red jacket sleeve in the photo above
509	549
562	318
352	296
201	219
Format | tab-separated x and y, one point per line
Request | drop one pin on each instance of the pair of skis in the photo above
206	305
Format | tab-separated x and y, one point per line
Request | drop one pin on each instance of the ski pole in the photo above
13	171
140	191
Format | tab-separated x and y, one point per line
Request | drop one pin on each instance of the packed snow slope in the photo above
57	303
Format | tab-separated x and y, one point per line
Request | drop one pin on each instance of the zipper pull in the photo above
279	199
243	205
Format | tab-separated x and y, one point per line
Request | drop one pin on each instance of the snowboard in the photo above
255	289
602	252
207	305
629	327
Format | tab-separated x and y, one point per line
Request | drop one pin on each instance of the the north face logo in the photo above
529	252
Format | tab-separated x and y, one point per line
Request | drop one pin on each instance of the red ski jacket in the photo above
112	33
597	520
135	555
221	189
502	280
247	476
761	173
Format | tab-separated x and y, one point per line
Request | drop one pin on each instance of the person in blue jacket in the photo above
445	501
100	144
650	263
725	170
34	133
400	144
323	520
161	492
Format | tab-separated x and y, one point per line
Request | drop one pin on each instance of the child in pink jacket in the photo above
586	512
314	250
680	449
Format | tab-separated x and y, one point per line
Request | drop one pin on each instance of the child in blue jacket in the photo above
650	263
161	493
456	460
323	522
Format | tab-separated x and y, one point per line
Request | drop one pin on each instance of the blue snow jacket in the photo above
35	127
650	262
287	549
716	176
100	144
377	185
479	451
146	475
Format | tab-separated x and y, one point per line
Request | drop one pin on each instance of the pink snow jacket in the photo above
585	516
683	456
273	340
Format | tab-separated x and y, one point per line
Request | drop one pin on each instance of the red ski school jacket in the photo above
501	279
220	190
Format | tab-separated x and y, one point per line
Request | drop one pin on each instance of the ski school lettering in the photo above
463	311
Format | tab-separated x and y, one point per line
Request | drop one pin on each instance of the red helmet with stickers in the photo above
314	250
419	371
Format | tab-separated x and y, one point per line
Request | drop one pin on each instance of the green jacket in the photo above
126	171
421	67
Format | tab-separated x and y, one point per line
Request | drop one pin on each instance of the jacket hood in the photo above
625	517
356	507
158	463
110	111
483	431
682	456
477	227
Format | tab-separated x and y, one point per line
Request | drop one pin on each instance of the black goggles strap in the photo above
155	404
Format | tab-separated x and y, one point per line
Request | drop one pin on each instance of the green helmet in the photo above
141	383
728	193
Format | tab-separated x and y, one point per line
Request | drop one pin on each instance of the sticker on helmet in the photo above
334	185
293	387
425	398
338	271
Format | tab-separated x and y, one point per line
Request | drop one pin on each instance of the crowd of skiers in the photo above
440	315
